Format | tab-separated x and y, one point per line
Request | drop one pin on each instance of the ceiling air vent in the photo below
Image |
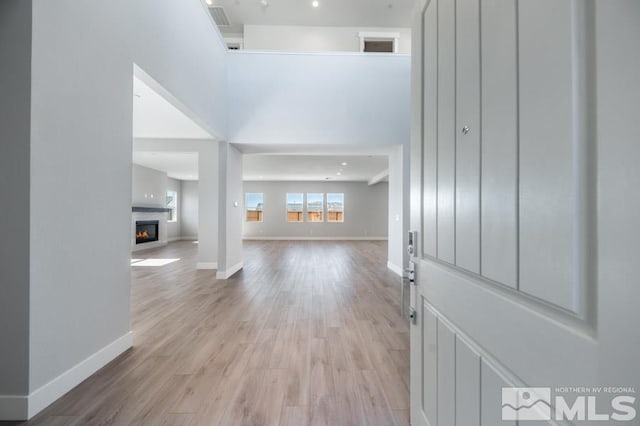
219	16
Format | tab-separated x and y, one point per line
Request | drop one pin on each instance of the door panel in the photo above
446	361
429	356
446	131
499	142
467	385
430	102
547	169
491	396
516	301
467	242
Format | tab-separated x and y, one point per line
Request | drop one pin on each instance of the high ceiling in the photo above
155	117
351	13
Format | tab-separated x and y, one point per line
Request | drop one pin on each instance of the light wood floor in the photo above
307	333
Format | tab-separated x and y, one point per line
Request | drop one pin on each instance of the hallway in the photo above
307	333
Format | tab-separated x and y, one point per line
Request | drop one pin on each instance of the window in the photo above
378	41
294	208
335	207
172	205
380	46
254	205
315	207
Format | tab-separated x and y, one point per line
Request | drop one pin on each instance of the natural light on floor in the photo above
152	262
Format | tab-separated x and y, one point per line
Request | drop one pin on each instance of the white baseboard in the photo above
395	268
147	246
223	275
315	238
25	407
172	239
207	265
14	407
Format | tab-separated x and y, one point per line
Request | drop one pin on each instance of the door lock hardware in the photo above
412	244
413	316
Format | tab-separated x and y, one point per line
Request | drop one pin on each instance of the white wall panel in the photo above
499	211
429	324
547	198
467	385
467	182
430	130
491	397
446	130
446	376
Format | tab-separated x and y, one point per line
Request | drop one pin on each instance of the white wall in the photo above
365	213
15	104
149	187
189	209
80	164
231	213
397	208
174	230
338	99
285	38
208	189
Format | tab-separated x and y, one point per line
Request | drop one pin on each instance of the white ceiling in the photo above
155	117
341	13
312	167
177	165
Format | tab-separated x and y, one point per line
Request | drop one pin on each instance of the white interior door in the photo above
523	199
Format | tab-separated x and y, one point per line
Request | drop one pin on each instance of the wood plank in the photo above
256	349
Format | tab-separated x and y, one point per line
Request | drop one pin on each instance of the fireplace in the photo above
146	231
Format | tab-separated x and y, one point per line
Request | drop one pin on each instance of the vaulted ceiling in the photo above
352	13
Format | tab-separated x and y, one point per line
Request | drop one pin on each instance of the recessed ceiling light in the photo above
339	174
343	164
209	2
315	3
264	3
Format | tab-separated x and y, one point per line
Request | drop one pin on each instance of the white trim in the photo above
379	177
207	265
16	407
395	268
316	238
149	245
13	407
173	239
223	275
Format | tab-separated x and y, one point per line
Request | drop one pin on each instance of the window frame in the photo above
379	36
173	213
246	207
308	211
329	211
301	215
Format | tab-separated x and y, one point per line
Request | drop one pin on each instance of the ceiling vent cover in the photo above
219	16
